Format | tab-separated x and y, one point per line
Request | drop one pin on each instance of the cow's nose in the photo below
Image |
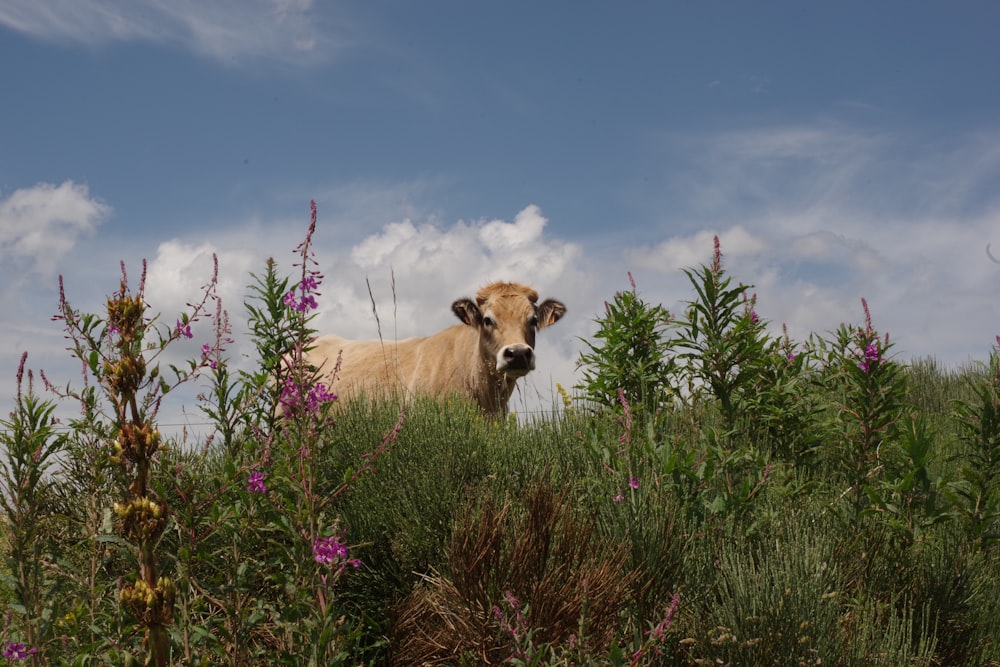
517	358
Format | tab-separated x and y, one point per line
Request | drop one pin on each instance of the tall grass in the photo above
735	498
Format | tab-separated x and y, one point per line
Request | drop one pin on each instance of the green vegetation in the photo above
713	496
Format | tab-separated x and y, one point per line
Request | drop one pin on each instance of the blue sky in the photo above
840	150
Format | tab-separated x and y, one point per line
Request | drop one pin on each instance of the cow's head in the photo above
507	315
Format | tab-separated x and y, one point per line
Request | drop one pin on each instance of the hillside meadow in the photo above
710	494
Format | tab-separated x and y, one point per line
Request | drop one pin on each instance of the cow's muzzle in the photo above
516	360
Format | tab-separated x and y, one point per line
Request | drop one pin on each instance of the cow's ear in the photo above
467	311
549	312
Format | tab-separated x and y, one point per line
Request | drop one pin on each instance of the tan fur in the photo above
497	328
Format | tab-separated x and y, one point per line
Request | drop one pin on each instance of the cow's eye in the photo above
533	321
489	321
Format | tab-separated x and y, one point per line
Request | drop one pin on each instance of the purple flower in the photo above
16	651
309	284
633	482
206	351
618	498
318	395
327	550
255	482
307	303
754	318
291	396
331	551
184	329
872	355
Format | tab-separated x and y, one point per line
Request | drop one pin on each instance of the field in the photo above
709	495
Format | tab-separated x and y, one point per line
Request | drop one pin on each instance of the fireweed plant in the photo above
272	513
869	393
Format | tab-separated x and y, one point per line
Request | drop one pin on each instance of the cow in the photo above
481	358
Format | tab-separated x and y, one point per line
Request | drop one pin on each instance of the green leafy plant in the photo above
29	442
869	391
629	354
978	491
724	337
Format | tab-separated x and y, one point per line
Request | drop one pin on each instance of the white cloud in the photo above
40	225
181	271
435	264
225	30
677	253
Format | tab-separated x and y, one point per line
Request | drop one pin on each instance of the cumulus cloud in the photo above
181	271
226	30
40	225
677	253
436	264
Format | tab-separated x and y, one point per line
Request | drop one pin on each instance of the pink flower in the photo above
16	651
331	551
206	352
255	483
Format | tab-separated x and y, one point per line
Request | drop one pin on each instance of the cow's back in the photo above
377	368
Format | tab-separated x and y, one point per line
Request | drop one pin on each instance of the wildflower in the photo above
291	396
567	400
754	318
16	651
327	550
206	353
318	395
512	627
255	482
633	482
307	301
184	329
309	284
872	355
659	631
716	256
618	498
626	436
657	635
790	356
331	551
